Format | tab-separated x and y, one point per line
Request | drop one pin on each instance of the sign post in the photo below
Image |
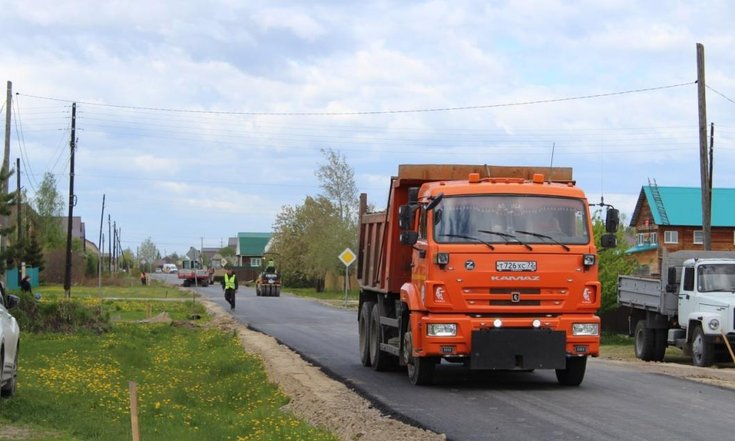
347	257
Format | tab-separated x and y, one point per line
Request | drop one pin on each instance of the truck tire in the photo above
278	291
702	350
574	372
420	369
257	290
379	360
644	341
363	331
659	344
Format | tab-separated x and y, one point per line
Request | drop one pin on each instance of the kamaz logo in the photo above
516	278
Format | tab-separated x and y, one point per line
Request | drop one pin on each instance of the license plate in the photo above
507	265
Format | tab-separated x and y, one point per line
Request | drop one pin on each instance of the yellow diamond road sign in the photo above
347	257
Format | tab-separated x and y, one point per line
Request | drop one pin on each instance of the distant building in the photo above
251	247
671	218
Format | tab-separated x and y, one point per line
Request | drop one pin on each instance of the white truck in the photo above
691	306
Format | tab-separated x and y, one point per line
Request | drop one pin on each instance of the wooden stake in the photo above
134	410
727	343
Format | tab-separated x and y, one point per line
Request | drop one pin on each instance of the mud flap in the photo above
518	349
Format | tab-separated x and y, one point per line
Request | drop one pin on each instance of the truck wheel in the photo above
363	331
644	341
186	283
659	344
379	360
574	372
278	291
257	290
420	369
702	350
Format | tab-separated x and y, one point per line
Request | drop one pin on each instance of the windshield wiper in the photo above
543	236
462	236
507	236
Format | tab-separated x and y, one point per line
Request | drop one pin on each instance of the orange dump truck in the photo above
492	267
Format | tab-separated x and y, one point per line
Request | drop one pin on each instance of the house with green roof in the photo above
671	218
251	247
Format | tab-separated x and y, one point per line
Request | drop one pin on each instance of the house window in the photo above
647	238
698	237
255	262
673	237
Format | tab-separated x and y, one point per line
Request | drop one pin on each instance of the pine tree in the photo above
6	202
33	253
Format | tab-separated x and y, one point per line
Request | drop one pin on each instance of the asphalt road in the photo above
613	403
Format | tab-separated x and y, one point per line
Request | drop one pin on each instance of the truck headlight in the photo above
714	324
588	259
585	329
442	329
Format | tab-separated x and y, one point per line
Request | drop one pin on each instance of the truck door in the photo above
687	296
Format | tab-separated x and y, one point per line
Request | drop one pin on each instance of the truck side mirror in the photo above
413	195
671	285
405	217
612	220
608	240
408	237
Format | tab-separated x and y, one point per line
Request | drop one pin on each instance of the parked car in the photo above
9	342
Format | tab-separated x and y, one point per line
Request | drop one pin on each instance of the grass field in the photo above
193	383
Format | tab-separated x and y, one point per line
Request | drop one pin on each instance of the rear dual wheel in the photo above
363	331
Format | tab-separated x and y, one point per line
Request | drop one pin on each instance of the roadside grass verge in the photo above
193	383
154	290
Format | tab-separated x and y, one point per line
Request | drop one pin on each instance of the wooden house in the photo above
671	218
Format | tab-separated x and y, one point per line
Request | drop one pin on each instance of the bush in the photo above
64	315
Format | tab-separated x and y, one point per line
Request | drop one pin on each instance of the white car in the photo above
9	341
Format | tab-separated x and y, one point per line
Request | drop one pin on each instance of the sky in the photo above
198	120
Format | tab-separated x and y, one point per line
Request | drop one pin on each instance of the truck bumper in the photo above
515	343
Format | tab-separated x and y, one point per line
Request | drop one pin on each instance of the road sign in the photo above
347	257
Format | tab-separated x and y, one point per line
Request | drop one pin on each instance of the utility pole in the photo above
101	247
6	157
4	185
703	159
18	201
114	245
17	223
109	242
72	145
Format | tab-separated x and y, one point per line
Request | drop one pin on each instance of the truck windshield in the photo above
716	277
562	219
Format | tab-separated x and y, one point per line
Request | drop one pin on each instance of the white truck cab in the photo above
706	300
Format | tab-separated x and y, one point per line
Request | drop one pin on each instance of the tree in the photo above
613	262
337	180
33	253
148	252
49	205
309	237
227	252
6	201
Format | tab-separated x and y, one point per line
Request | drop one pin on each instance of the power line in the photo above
719	93
371	112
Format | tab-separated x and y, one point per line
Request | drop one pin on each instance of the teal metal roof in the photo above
682	206
253	244
642	248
